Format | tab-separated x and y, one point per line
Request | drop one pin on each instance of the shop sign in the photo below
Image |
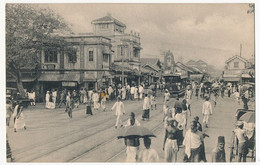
69	84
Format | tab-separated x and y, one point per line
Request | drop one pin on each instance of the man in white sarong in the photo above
120	111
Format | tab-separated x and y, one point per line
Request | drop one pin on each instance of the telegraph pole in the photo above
240	50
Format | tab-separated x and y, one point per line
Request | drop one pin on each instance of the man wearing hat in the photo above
218	153
206	111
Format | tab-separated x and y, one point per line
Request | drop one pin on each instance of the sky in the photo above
209	32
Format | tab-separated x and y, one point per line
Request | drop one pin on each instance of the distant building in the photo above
200	64
234	67
153	69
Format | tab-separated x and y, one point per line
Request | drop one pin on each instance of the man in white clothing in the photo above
148	154
141	91
146	107
120	111
110	91
132	92
95	98
206	111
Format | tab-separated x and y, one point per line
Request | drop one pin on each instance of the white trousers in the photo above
118	121
205	119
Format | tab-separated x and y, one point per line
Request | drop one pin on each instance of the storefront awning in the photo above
23	80
231	79
60	77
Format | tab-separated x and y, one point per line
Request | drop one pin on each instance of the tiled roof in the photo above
108	19
181	65
151	62
191	62
236	56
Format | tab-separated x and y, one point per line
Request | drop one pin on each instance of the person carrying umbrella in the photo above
120	111
148	154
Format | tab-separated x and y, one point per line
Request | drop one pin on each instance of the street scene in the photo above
82	87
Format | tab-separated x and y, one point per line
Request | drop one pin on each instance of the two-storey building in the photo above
84	62
126	47
234	67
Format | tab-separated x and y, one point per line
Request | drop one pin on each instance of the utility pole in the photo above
240	50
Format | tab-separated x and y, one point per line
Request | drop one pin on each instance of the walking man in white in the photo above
120	111
206	111
141	92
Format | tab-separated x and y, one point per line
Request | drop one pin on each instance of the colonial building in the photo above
234	67
126	47
83	63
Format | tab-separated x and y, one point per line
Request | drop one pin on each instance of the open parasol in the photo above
248	117
138	131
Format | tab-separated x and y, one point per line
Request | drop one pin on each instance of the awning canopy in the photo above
26	79
231	79
68	77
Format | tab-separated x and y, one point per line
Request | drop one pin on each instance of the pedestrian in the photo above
245	99
185	110
128	94
193	142
54	96
242	139
75	98
123	91
32	97
206	111
62	98
237	97
166	96
199	126
81	95
178	105
140	90
136	93
9	111
47	99
180	118
146	107
95	98
132	92
103	100
120	111
170	144
18	117
132	121
89	107
153	101
148	154
218	153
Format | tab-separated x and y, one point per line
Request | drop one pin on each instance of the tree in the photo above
252	8
28	31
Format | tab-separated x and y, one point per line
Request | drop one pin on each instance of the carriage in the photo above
248	118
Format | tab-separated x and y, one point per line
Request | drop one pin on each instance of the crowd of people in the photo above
178	132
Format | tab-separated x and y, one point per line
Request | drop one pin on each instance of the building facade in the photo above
84	62
234	67
126	47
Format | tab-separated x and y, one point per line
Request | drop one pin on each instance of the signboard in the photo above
69	84
169	62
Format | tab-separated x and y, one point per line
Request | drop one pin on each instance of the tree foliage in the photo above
251	8
30	29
